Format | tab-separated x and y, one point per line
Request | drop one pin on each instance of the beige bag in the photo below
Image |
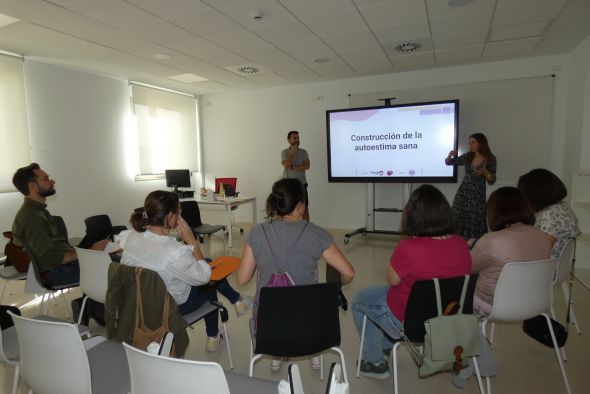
142	334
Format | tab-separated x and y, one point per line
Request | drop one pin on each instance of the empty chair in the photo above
421	306
297	321
94	276
562	277
192	215
153	374
54	359
524	291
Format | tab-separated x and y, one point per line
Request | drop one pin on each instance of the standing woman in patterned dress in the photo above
469	205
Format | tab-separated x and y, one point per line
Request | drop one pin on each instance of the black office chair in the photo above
192	215
297	321
422	306
99	227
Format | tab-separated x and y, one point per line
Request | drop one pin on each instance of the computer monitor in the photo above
178	178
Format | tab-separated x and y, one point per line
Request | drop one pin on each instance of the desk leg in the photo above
229	226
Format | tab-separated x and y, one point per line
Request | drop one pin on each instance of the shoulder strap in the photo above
438	301
463	292
138	300
438	297
290	249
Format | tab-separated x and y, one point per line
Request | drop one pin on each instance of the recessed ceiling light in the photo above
162	56
187	78
459	3
408	47
321	60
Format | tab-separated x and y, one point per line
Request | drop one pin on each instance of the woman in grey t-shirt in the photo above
295	243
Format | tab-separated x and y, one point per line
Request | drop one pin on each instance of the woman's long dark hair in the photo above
158	204
484	149
286	194
427	213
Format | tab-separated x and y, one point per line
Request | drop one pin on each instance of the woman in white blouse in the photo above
181	265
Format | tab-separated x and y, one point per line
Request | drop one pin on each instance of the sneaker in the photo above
243	305
375	370
213	343
316	362
275	364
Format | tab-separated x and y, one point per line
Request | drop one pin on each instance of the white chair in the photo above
334	379
54	359
9	353
524	291
94	276
35	286
153	374
295	382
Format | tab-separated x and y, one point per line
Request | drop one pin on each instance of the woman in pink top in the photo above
432	251
512	237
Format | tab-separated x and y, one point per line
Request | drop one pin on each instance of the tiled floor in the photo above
524	366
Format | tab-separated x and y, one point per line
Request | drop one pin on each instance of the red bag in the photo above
15	255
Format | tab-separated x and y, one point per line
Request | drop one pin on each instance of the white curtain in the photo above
166	130
14	132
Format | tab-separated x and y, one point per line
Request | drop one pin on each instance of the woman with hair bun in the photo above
286	235
181	265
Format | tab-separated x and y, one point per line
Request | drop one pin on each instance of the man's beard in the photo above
47	192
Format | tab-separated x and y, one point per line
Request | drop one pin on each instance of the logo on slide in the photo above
412	172
389	173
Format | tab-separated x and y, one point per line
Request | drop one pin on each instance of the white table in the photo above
229	203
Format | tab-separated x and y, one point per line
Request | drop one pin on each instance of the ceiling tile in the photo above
115	13
207	23
351	40
199	48
457	40
404	31
163	33
438	8
347	21
514	12
415	60
267	78
522	30
334	71
478	20
123	41
307	49
368	52
270	11
226	60
455	55
239	40
501	48
170	9
393	13
371	65
309	8
284	32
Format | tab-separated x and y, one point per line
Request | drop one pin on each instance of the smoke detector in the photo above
256	16
406	47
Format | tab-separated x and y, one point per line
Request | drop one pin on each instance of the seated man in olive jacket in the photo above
34	229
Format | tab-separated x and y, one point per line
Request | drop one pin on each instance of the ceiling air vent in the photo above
248	70
406	47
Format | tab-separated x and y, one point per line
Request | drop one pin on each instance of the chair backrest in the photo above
34	284
152	374
52	357
564	264
98	227
421	304
8	341
190	213
229	184
297	320
524	290
94	273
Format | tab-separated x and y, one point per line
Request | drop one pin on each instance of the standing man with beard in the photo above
34	229
295	161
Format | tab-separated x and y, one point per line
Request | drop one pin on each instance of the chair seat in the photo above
203	311
249	385
10	342
10	273
207	229
109	369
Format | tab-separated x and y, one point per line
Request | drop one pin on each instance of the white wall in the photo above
245	131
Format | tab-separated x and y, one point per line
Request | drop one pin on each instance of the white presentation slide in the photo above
405	141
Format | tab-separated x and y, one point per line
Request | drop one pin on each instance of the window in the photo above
14	132
167	131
